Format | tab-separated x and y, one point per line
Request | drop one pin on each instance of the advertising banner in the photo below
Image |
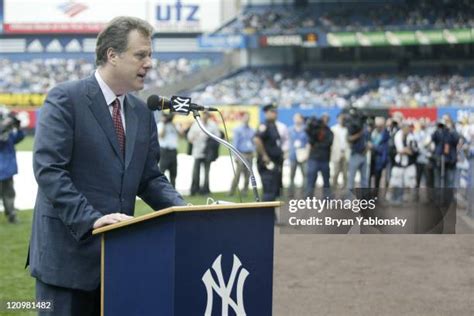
311	40
22	99
222	41
399	38
281	40
371	38
61	16
171	16
410	113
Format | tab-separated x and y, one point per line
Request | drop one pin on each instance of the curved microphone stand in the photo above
253	182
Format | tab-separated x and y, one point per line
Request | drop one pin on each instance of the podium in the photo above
190	260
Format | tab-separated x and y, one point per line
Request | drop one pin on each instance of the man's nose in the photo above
148	63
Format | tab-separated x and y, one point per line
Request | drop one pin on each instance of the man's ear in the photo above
112	56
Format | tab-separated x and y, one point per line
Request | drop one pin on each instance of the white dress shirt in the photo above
110	97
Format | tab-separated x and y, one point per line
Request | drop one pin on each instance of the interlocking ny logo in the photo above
180	104
224	290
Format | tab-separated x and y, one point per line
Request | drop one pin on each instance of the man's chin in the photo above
139	86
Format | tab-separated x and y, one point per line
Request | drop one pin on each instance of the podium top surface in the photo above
192	208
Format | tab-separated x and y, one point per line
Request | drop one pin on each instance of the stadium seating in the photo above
39	75
262	86
280	19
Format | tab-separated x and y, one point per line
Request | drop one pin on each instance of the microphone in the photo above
179	105
183	105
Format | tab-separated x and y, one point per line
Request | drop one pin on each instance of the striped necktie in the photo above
118	125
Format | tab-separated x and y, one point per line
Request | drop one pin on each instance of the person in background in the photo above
359	142
270	154
470	182
168	136
393	125
199	140
243	141
298	152
462	163
340	151
284	137
10	135
446	140
325	118
379	140
404	168
320	139
424	169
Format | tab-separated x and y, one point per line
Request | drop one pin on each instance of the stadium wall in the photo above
233	114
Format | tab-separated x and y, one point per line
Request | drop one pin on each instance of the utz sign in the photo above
177	16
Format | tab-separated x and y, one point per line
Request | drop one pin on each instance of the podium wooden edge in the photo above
193	208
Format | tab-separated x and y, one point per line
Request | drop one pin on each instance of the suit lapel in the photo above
131	122
101	113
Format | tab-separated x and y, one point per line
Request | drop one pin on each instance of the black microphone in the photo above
179	105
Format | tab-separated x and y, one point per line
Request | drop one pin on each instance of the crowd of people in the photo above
419	91
40	75
266	86
261	86
308	90
351	17
357	152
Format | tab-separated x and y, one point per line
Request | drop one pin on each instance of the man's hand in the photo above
111	219
266	159
352	138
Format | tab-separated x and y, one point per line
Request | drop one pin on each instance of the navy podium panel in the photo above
191	263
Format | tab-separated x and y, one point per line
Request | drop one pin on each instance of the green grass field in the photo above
26	144
15	281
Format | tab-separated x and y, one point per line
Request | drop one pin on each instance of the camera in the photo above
313	128
313	123
8	121
355	120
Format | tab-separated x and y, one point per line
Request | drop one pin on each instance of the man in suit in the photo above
95	150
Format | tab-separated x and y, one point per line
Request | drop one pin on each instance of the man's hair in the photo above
115	36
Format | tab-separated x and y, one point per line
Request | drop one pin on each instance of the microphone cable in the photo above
231	158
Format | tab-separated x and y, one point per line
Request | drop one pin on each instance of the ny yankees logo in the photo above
224	290
180	105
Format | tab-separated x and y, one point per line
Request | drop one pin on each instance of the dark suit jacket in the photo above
82	176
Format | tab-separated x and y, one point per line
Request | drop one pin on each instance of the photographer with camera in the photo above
168	136
404	167
358	137
320	138
10	135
